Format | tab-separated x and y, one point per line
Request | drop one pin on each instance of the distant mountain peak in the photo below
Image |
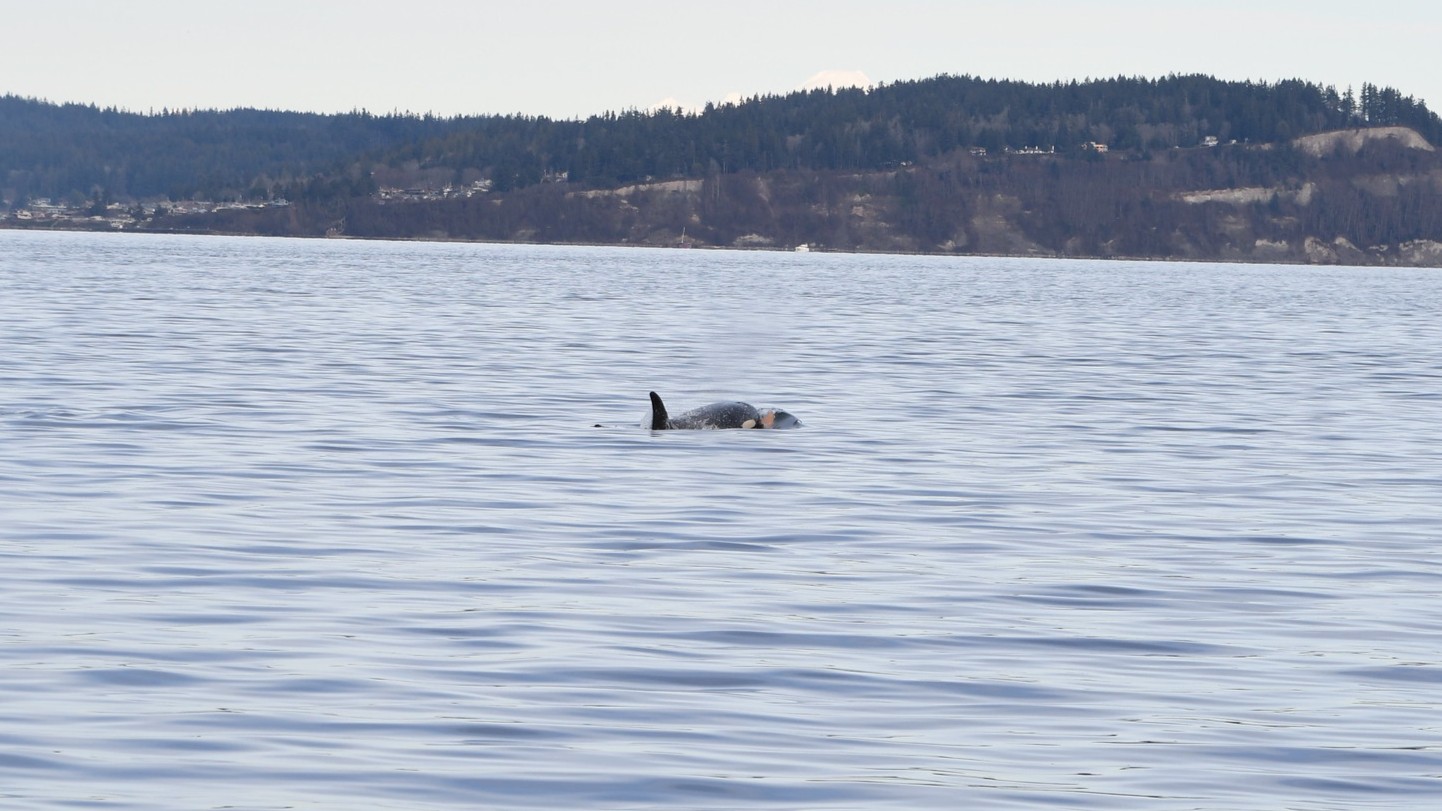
836	80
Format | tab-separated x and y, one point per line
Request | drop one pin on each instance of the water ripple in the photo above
327	524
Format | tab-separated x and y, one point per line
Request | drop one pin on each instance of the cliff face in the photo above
1350	142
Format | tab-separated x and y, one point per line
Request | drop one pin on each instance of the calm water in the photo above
327	525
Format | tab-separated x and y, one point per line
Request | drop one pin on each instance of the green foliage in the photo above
49	150
860	130
60	151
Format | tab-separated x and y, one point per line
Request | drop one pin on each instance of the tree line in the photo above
84	152
909	122
80	152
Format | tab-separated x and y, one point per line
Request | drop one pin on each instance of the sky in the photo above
574	58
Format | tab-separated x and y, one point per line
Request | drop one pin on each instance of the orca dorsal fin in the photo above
658	413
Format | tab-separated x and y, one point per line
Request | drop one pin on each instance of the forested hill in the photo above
78	151
1178	167
860	130
81	151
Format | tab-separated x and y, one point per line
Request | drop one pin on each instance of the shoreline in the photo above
814	247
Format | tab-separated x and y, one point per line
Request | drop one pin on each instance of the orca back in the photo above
721	415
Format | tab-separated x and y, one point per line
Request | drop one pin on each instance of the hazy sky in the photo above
571	58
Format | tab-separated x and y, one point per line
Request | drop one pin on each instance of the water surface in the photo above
327	525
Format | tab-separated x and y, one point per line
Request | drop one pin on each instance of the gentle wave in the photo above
329	525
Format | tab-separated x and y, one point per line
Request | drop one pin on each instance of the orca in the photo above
728	414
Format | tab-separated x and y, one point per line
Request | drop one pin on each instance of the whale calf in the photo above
728	414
